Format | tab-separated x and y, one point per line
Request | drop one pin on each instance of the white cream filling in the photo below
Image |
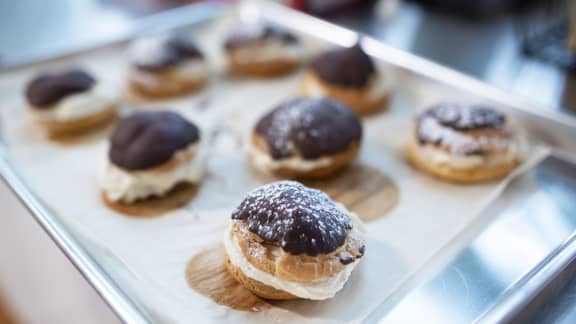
380	86
266	163
268	51
191	71
128	186
438	157
74	107
318	290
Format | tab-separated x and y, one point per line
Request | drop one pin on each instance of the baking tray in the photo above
401	296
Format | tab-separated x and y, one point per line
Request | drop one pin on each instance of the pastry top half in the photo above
309	128
256	34
345	67
463	129
296	233
46	90
149	139
162	52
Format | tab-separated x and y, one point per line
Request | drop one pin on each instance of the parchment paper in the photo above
147	257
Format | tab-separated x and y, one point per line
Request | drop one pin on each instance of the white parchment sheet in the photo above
148	256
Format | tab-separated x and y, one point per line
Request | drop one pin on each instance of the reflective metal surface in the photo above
487	49
528	240
122	305
92	26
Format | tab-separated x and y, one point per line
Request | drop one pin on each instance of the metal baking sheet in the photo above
420	82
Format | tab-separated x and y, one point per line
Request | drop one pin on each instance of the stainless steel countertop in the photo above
489	50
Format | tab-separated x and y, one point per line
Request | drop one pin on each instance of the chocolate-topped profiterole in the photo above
166	65
154	54
69	102
465	142
148	139
288	241
306	135
300	219
347	67
348	75
154	157
251	34
313	127
262	50
47	89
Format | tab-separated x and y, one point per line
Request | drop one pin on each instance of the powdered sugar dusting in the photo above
448	124
312	127
300	219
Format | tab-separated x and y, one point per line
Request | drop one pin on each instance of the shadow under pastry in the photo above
206	273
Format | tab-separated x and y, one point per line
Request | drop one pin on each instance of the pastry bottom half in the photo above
258	288
170	88
445	171
62	128
176	198
269	69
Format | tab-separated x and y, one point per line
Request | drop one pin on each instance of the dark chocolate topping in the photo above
161	52
446	123
148	139
47	89
255	33
347	259
313	127
347	67
300	219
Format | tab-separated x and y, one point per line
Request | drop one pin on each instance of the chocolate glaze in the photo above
347	259
300	219
250	34
47	89
148	139
162	52
447	123
313	127
346	67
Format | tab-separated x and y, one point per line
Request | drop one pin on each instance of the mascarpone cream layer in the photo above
265	162
267	52
129	186
319	290
191	71
435	156
74	107
378	87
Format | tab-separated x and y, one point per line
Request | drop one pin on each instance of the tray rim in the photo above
127	310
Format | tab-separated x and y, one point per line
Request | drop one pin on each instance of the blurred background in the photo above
526	47
517	45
